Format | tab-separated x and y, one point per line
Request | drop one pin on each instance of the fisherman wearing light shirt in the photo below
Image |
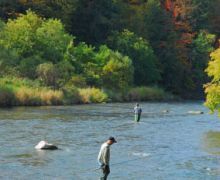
137	113
104	157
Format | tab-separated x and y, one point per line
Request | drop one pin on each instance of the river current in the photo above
167	144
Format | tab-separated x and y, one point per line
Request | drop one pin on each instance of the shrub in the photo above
48	74
71	95
146	93
77	81
7	97
92	95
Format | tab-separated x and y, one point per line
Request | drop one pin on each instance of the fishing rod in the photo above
114	164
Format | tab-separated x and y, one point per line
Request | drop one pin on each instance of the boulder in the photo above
44	145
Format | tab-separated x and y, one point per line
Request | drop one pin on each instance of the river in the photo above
171	145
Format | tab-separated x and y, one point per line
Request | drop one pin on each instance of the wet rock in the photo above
195	112
44	145
165	111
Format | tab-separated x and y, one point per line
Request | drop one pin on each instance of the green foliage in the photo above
156	25
52	40
82	54
48	74
96	20
27	66
7	97
166	47
212	89
8	61
20	34
142	55
17	91
92	95
204	42
206	15
202	46
146	94
77	81
29	34
117	73
71	95
2	24
65	72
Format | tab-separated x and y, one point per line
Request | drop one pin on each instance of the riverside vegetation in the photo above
90	52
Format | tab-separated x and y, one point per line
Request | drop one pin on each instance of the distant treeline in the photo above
110	45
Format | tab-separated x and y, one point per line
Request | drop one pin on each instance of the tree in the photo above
146	70
212	89
52	40
10	9
81	55
202	46
20	34
118	72
27	66
92	21
2	24
206	15
8	62
60	9
30	34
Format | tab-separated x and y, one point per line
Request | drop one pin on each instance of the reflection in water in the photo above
212	142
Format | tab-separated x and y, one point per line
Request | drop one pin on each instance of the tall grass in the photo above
16	91
92	95
40	96
147	94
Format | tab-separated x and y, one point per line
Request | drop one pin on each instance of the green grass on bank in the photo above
24	92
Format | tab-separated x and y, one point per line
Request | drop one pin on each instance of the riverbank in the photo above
24	92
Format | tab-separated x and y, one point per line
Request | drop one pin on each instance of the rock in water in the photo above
165	111
195	112
44	145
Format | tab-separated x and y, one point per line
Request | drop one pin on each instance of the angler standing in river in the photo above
137	113
104	157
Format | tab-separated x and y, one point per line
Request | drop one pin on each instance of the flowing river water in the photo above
171	145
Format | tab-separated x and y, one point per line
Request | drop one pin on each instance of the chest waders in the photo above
137	117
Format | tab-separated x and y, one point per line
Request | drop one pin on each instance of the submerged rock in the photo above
195	112
44	145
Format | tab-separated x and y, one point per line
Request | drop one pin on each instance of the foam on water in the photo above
140	154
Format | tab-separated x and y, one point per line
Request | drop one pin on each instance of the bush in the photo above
145	94
92	95
7	97
71	95
77	81
48	74
114	96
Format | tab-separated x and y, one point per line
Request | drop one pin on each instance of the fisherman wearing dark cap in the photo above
104	157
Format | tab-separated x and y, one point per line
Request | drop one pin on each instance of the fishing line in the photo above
114	164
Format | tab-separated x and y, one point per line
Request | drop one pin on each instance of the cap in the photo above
112	139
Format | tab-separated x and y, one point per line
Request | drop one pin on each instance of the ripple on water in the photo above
166	146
